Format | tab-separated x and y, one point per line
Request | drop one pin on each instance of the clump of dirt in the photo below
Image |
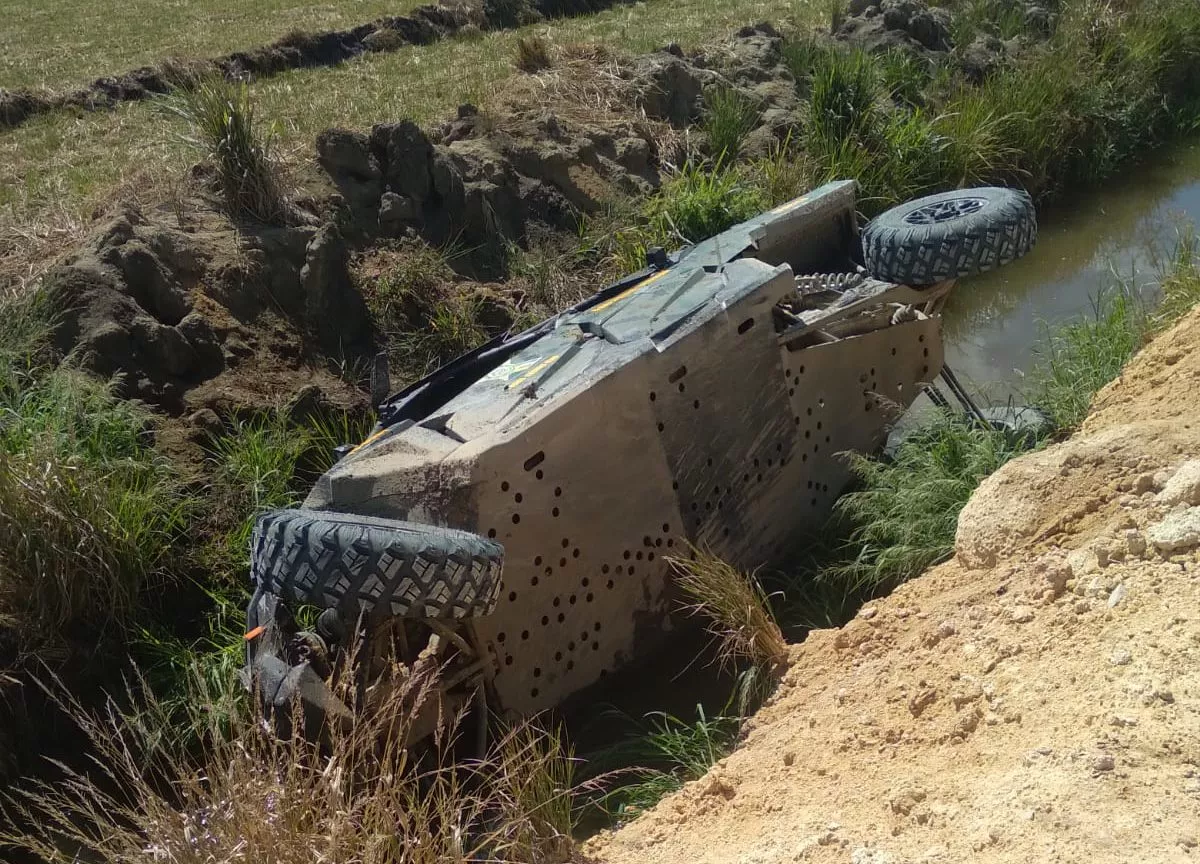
486	179
203	315
1036	698
896	24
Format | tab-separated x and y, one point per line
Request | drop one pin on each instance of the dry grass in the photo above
65	43
736	606
251	796
533	54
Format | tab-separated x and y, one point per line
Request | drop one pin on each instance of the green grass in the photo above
666	752
88	510
698	201
1079	358
905	509
66	43
220	118
728	118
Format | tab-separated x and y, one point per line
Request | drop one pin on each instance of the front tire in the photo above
385	568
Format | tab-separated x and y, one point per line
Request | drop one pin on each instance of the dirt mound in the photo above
208	315
1037	698
896	24
479	182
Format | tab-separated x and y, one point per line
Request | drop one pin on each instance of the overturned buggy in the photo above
510	515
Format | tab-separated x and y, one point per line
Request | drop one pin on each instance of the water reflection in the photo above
994	322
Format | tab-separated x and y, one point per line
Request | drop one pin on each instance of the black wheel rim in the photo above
944	211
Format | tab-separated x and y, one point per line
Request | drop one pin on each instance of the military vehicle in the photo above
512	515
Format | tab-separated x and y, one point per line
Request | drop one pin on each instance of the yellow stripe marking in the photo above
632	288
517	382
790	205
375	436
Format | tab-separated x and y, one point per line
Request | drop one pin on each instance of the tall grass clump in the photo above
694	204
735	606
1078	359
1180	283
253	796
533	54
667	752
904	511
221	118
845	86
729	117
88	510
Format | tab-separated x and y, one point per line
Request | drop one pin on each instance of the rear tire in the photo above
949	235
382	567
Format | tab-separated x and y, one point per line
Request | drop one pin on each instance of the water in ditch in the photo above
995	323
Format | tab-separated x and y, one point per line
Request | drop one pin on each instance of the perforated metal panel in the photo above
845	395
584	507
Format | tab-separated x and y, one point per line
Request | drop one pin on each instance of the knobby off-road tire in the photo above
381	567
949	235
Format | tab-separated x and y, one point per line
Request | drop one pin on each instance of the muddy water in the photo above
995	323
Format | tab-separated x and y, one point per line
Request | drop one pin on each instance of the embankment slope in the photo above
1035	699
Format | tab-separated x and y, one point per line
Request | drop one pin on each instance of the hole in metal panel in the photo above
554	512
524	635
539	475
504	486
745	326
516	518
535	460
677	374
537	671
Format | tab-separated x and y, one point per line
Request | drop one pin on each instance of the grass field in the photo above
58	44
57	169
